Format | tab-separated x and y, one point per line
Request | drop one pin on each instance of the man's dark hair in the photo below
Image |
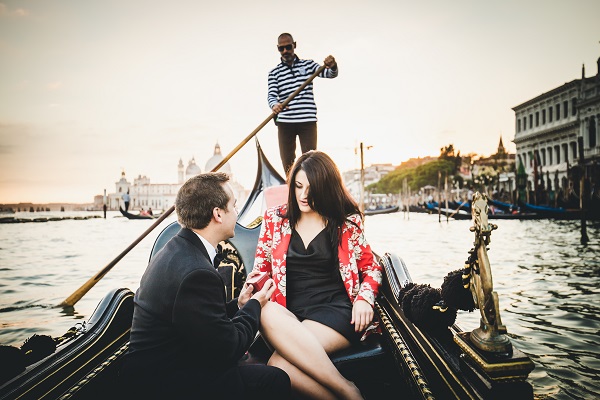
285	34
198	197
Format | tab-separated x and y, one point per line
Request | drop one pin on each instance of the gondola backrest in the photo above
244	242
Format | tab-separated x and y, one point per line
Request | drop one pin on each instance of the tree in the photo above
417	177
447	153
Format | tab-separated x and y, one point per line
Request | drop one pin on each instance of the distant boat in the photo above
464	215
135	216
553	212
382	210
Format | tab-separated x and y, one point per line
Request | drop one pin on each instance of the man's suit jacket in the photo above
181	321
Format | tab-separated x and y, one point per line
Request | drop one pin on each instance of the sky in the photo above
89	89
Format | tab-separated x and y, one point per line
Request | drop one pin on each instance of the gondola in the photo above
382	210
408	360
418	209
553	212
129	215
497	215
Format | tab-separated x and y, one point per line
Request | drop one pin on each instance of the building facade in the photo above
372	174
160	196
549	129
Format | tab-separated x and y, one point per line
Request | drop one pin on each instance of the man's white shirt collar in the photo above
212	252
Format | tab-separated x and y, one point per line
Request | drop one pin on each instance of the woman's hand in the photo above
362	315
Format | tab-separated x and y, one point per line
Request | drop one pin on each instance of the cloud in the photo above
18	12
13	136
54	85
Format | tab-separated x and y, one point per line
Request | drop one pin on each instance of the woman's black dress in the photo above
315	290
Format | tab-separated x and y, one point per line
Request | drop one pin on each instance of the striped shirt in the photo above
284	80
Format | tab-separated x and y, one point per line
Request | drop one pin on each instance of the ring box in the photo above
258	281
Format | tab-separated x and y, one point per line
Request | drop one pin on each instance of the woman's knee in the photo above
276	360
274	315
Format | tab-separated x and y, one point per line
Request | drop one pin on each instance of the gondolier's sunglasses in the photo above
287	47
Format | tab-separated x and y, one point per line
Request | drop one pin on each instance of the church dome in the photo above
192	169
216	159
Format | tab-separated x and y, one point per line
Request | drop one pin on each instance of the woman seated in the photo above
325	275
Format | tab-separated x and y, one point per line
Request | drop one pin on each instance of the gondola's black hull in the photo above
85	366
520	216
134	216
387	210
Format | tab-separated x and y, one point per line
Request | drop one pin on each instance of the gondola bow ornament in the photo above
488	349
491	334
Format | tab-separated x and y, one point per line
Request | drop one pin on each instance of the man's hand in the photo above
362	315
245	295
264	294
277	108
330	62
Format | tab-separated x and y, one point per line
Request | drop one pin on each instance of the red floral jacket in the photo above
354	254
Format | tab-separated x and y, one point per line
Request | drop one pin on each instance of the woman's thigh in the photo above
275	310
330	339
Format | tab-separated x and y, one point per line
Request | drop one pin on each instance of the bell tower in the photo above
180	171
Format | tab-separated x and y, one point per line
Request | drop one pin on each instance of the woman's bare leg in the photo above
304	345
302	384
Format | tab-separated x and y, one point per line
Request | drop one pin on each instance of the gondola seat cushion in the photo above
355	362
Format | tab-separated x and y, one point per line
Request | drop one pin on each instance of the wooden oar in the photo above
79	293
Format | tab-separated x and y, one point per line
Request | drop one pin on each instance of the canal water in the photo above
548	283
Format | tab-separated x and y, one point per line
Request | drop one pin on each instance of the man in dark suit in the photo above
185	339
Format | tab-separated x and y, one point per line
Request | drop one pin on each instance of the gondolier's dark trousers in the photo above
287	132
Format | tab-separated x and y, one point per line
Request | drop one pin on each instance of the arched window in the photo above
543	157
592	132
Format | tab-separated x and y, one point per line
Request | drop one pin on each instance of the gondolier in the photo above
126	199
299	118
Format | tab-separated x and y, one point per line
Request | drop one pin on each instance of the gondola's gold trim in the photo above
412	365
518	370
83	381
426	353
98	337
83	365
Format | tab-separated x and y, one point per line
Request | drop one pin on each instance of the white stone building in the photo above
549	127
161	196
373	173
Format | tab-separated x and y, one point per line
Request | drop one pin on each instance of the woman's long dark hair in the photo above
327	194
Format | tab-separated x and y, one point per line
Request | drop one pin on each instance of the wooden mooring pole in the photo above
439	189
582	193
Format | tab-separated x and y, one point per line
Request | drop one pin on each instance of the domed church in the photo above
161	196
